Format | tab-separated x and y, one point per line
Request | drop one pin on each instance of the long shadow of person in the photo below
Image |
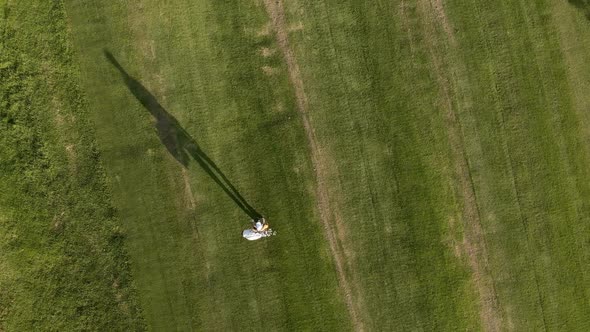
179	143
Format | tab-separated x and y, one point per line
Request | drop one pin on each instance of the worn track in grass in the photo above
327	216
473	244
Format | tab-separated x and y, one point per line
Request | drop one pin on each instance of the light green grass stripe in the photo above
523	168
371	101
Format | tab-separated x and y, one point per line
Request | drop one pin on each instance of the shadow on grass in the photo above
178	142
583	5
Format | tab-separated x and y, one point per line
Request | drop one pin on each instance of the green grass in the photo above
190	261
63	266
374	103
531	164
375	81
371	76
415	107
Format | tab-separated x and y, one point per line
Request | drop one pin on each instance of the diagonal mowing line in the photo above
516	193
276	13
475	245
521	216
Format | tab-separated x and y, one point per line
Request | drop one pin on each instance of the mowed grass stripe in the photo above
570	22
529	141
442	44
371	94
202	62
269	128
117	115
522	214
250	132
331	220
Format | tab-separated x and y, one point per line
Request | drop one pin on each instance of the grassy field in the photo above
184	231
460	149
425	164
63	266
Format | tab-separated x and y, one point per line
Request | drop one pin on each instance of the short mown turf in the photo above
425	164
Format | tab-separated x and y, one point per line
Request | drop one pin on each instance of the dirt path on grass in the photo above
473	245
331	224
188	191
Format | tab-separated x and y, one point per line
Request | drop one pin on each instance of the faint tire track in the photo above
329	220
474	242
188	191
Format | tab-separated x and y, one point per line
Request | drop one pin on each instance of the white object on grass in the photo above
259	230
